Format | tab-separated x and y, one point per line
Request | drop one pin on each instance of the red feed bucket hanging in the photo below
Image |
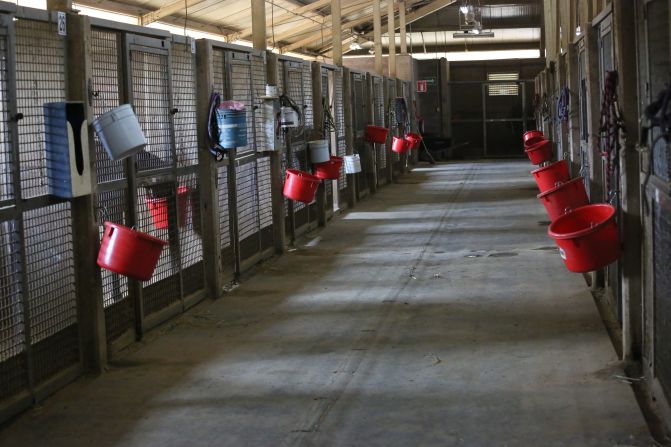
329	170
399	145
158	207
563	198
540	152
376	134
300	186
587	237
532	137
128	252
413	139
551	175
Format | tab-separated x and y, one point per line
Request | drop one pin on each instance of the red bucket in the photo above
551	175
413	140
532	137
540	152
300	186
329	170
376	134
399	145
158	207
587	237
563	198
128	252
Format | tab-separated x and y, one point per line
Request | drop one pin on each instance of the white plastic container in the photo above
319	151
352	164
271	91
288	117
119	132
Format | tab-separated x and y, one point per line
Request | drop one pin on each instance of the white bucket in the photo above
288	117
352	164
119	132
319	151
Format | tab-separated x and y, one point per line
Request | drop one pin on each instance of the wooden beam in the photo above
246	32
326	34
336	21
425	11
259	24
324	21
392	40
377	31
167	10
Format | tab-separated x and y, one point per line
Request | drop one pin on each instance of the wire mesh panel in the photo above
190	232
150	80
308	111
50	273
119	314
662	302
248	209
219	70
183	68
13	364
359	108
105	83
259	85
395	158
7	170
378	112
228	260
241	91
40	78
339	117
280	77
159	209
265	201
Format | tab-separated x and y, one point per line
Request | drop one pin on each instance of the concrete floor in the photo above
435	313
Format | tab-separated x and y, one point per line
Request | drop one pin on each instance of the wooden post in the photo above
377	36
207	171
259	24
630	225
349	132
391	31
90	310
336	25
276	180
401	25
60	5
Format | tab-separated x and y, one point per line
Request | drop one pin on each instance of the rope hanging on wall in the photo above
658	114
610	127
563	103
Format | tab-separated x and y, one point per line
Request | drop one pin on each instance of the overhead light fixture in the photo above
463	9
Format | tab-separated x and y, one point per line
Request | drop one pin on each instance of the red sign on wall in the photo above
421	87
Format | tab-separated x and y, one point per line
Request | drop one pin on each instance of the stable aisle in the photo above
435	313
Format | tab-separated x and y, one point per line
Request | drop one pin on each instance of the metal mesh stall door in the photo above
265	201
359	109
662	291
105	81
40	78
241	91
259	85
328	185
297	156
248	210
227	253
150	85
378	113
183	70
50	271
339	117
392	119
112	203
162	204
